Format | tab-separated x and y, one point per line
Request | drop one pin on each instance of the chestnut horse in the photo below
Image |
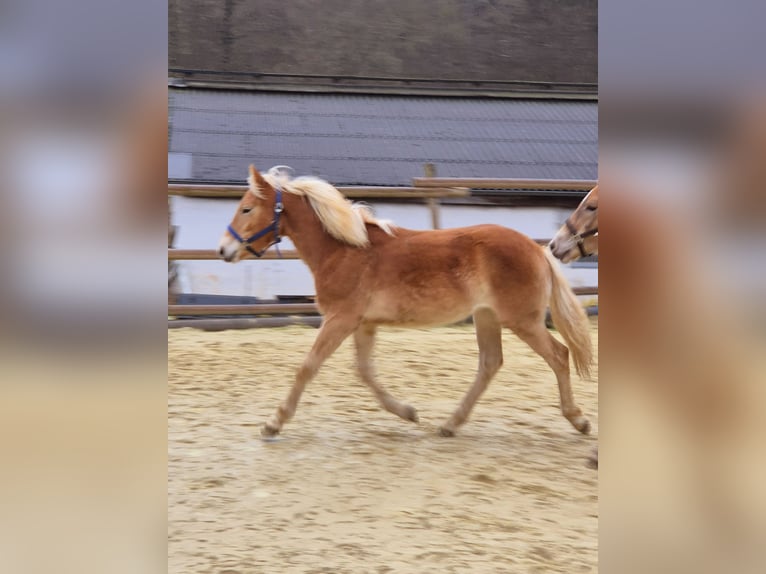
578	237
369	272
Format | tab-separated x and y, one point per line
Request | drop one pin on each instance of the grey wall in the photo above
529	40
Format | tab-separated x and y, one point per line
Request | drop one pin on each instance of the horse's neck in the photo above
302	226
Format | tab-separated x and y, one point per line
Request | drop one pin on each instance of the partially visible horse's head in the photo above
578	237
255	226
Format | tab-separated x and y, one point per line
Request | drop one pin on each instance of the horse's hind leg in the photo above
489	337
536	335
364	337
334	331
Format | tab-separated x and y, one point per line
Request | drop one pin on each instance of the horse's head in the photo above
255	226
578	237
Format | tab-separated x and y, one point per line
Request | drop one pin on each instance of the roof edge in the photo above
403	87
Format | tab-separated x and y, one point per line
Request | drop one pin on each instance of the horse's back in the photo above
490	256
486	233
491	243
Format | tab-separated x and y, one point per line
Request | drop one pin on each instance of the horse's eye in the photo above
247	209
591	207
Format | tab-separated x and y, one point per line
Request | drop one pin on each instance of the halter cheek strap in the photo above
273	227
580	237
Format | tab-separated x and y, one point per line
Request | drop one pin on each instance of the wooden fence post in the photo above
433	203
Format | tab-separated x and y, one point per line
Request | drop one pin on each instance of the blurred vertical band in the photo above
682	259
82	285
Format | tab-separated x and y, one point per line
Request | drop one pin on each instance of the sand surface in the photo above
350	488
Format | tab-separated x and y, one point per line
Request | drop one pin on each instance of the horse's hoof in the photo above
592	461
582	424
268	431
446	432
410	414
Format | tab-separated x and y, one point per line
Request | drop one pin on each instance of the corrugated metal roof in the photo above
381	140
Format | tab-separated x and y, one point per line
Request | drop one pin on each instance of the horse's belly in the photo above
416	310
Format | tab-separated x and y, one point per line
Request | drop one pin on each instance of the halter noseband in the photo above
272	227
580	237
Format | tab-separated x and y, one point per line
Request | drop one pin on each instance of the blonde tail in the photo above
570	318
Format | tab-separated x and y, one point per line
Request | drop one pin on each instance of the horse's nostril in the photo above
220	251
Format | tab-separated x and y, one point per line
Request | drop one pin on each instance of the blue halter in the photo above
273	227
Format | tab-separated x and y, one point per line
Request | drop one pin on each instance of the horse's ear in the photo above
257	184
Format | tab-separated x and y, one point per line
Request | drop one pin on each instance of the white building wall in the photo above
202	221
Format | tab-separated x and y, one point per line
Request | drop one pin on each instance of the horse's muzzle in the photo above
227	250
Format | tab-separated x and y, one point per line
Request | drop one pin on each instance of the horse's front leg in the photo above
333	332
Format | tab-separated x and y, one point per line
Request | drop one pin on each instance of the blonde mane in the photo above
344	220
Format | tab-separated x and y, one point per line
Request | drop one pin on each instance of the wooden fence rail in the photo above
423	188
367	192
212	254
500	183
280	308
257	309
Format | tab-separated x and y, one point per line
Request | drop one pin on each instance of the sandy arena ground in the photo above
350	488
